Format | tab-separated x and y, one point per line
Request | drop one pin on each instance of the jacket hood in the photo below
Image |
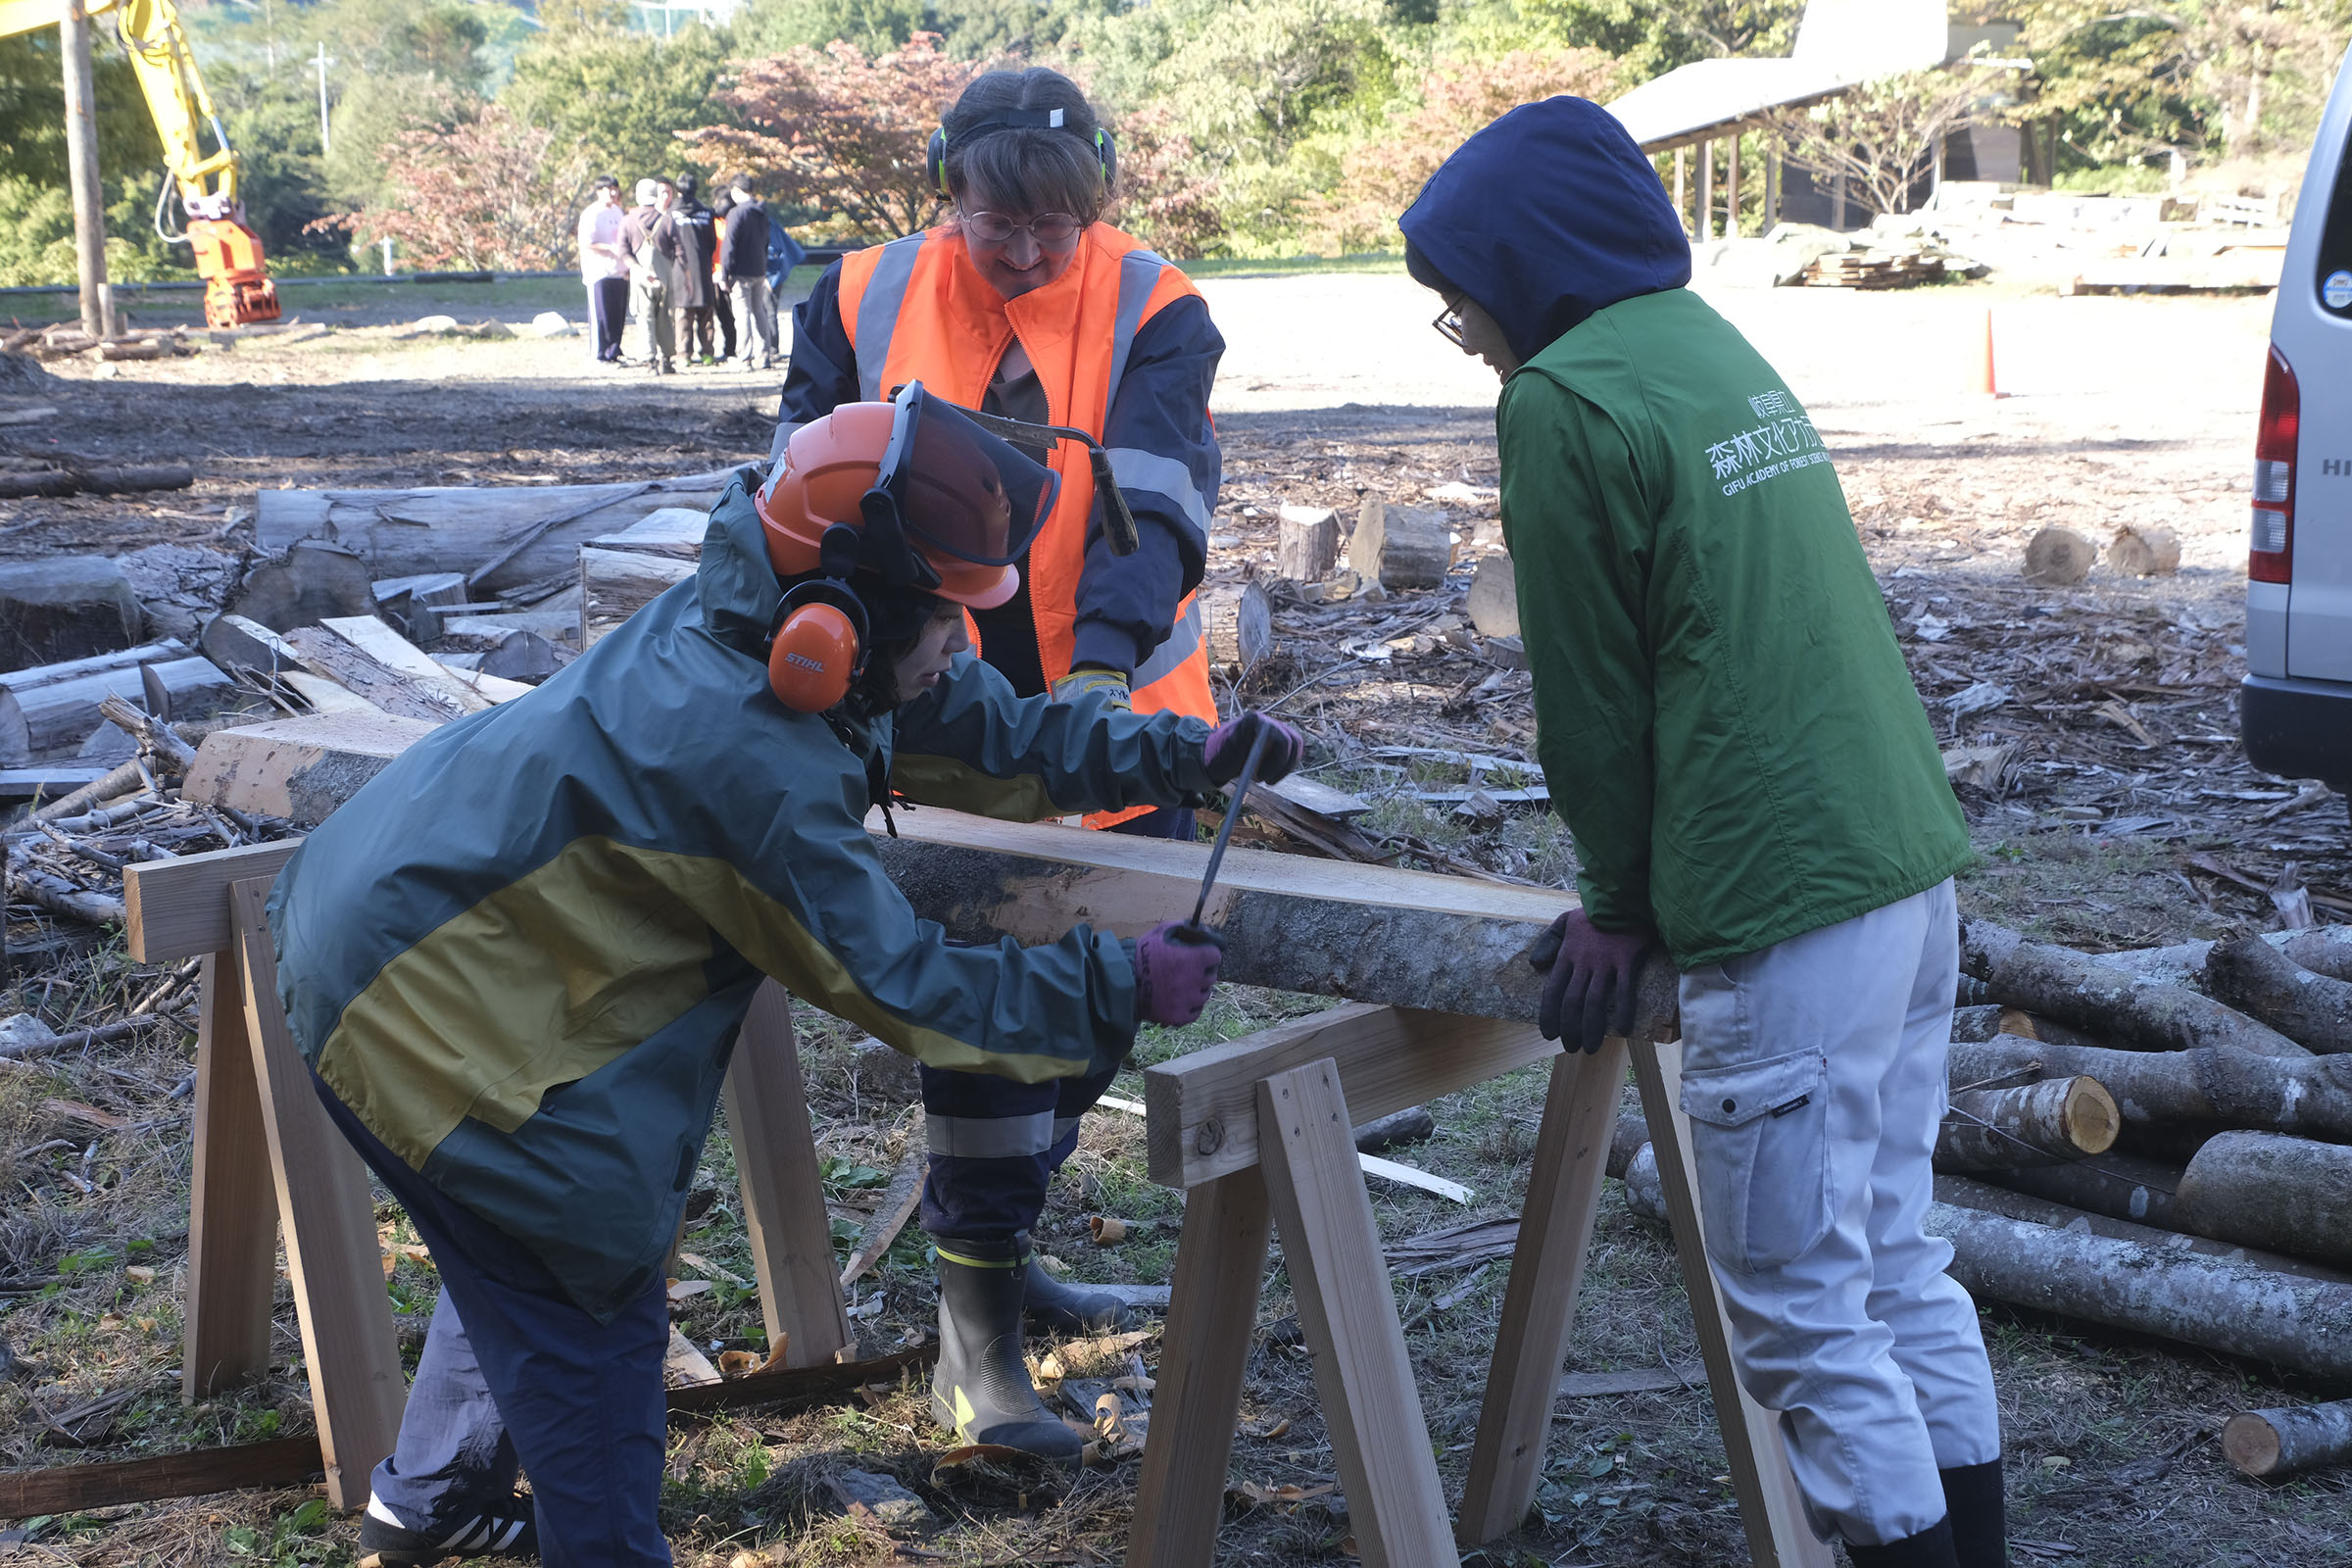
735	585
1547	216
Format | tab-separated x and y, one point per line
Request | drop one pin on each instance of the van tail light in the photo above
2273	555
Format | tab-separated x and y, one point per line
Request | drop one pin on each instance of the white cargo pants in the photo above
1813	1072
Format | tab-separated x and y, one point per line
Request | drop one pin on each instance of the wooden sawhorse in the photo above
1258	1129
267	1160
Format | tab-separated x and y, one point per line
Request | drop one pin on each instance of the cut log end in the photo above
2059	558
2089	1116
2251	1444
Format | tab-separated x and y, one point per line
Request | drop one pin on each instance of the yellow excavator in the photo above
229	254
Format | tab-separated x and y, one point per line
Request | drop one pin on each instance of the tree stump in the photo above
1494	598
1309	545
2144	552
2059	558
1401	547
1240	622
64	607
311	582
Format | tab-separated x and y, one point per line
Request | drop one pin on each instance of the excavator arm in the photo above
229	254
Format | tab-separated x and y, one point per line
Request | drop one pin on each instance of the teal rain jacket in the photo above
521	953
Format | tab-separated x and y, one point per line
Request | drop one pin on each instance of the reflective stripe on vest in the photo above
1184	641
1137	470
1139	276
879	311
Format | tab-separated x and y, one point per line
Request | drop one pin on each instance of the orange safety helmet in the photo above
912	491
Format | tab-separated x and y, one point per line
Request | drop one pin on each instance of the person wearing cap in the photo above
517	959
650	274
1725	716
688	238
1025	303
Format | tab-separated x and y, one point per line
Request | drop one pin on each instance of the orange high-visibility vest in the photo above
915	310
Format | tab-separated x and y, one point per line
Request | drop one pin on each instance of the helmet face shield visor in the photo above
958	490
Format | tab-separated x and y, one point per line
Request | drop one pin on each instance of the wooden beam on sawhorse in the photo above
1202	1138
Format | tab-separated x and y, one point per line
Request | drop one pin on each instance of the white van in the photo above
2295	707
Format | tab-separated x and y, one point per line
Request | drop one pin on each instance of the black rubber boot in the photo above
1978	1514
980	1388
1051	1307
1930	1548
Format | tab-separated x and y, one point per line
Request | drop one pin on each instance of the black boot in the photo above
980	1386
1979	1514
1052	1307
1930	1548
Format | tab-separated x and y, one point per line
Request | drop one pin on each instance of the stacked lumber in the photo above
1874	269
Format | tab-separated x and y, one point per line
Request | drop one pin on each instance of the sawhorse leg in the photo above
1770	1506
1203	1356
232	1213
1556	1232
1347	1312
783	1195
328	1214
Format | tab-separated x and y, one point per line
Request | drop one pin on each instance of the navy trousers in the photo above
609	311
514	1374
995	1144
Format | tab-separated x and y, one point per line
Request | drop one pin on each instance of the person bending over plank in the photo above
519	958
1724	714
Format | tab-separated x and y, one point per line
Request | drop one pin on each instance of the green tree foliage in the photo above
621	97
35	213
1650	36
488	192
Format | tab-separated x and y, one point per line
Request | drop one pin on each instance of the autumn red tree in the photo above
482	194
843	134
1166	199
1379	178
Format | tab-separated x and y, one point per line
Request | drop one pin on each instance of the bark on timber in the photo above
2269	1445
2221	1305
2072	989
2326	951
1364	952
1969	1192
2290	1194
2310	1097
2308	1008
2043	1124
2117	1185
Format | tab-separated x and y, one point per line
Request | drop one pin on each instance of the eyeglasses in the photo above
1056	232
1448	325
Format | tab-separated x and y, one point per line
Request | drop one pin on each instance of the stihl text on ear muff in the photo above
1106	152
821	634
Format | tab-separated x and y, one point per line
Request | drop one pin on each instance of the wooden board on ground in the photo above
674	531
362	674
298	769
391	649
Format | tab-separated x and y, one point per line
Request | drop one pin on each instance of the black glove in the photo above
1229	747
1592	978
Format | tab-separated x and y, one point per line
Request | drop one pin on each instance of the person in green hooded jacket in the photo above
1724	720
519	958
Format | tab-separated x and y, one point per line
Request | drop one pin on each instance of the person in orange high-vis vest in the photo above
1026	305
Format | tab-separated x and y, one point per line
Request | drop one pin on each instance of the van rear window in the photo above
2334	280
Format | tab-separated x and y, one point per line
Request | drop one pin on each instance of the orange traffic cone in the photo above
1983	377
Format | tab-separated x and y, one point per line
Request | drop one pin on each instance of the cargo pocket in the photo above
1760	1140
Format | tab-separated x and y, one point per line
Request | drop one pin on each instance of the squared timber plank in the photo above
232	1212
1365	1380
1204	1358
1539	1308
1202	1108
783	1195
1771	1509
328	1212
178	908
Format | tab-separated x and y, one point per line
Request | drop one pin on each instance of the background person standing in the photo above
692	246
1750	778
602	269
743	265
650	269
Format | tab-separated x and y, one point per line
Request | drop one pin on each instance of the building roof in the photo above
1840	44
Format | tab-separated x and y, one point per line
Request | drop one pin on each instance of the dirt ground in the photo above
2109	802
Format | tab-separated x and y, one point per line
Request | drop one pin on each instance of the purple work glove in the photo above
1229	747
1175	969
1588	970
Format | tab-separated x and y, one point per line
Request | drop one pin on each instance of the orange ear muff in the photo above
814	657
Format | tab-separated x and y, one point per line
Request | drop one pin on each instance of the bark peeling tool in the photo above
1233	814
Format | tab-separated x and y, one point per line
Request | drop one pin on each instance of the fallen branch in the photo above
890	1216
2042	1123
62	898
120	780
96	481
2269	1445
2290	1195
172	753
2310	1009
2310	1097
84	1039
2074	990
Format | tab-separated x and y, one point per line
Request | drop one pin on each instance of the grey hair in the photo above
1026	169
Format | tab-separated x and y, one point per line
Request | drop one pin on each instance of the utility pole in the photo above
325	145
82	166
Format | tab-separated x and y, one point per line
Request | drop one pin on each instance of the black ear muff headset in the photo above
1107	153
821	636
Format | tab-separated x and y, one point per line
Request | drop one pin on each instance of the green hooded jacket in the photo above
521	953
1722	711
